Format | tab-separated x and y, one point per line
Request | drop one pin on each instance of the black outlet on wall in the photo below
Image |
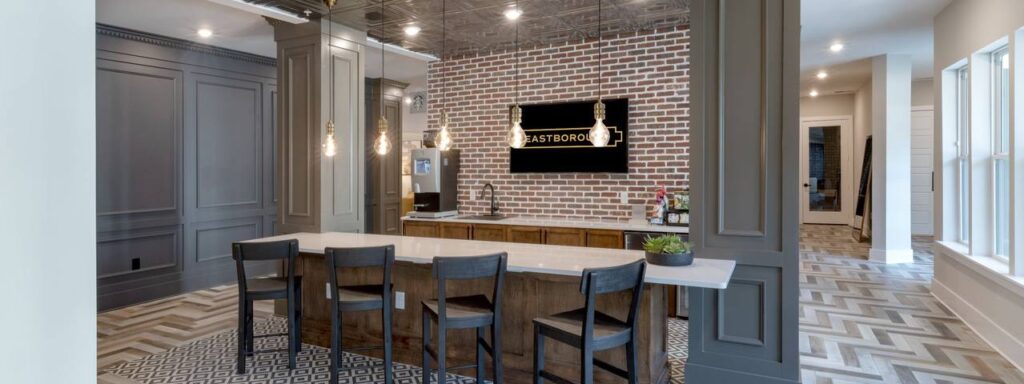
136	263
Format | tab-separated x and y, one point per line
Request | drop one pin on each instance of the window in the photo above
963	152
1001	149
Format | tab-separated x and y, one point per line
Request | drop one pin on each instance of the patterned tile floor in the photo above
860	322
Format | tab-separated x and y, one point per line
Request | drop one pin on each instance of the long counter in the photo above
536	258
542	280
560	223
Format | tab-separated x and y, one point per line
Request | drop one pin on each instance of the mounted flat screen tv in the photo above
558	142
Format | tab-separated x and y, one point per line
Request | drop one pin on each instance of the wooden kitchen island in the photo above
542	280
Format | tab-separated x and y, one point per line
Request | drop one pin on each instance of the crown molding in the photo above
149	38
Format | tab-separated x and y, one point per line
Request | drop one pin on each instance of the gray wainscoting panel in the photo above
744	98
229	132
298	79
138	151
185	137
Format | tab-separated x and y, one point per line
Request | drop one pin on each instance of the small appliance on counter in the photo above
435	181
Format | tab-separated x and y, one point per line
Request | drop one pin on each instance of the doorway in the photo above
826	170
922	166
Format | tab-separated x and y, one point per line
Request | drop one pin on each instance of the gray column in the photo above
745	120
890	183
319	193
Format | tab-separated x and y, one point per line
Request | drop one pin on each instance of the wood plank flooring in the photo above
860	322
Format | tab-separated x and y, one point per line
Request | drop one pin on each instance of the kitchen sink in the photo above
484	217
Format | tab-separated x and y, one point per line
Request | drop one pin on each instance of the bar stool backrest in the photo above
598	281
287	250
470	268
382	256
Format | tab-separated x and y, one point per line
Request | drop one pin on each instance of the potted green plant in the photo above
668	250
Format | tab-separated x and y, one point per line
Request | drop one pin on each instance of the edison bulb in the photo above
443	140
599	134
330	146
516	136
382	145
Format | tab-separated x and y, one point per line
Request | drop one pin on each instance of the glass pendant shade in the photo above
516	134
382	145
330	146
444	140
599	134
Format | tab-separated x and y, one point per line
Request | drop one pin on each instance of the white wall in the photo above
922	93
890	159
832	105
48	197
861	128
979	291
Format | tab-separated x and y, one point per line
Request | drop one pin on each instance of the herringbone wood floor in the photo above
860	322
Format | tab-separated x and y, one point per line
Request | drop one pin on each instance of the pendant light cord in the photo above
382	59
599	50
517	56
444	31
330	37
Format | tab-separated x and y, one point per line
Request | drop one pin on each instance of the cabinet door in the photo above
564	236
488	232
420	229
455	231
602	238
532	235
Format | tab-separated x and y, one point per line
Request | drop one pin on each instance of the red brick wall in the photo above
650	68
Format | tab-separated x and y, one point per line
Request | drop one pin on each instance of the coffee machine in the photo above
435	181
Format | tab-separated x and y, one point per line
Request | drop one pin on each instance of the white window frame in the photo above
998	154
962	171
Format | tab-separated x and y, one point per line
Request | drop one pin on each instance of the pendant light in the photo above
516	134
444	139
330	146
382	145
599	134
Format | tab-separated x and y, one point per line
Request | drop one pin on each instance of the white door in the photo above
826	169
921	171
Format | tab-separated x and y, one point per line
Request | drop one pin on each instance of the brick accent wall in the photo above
651	68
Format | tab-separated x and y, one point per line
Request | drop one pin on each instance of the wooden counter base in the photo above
526	296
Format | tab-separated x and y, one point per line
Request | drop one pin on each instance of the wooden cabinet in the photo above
456	231
565	236
487	232
420	229
531	235
603	238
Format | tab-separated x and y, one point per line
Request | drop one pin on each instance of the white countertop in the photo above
563	223
536	258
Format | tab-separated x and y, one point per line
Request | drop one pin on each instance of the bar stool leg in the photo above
250	333
538	355
298	316
335	345
496	347
241	335
587	366
442	354
480	366
631	361
388	379
291	329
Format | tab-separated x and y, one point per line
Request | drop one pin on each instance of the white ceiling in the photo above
867	28
232	28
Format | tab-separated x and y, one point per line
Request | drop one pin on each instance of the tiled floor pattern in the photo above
860	322
867	322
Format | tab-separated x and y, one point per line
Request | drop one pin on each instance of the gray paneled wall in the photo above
744	158
185	142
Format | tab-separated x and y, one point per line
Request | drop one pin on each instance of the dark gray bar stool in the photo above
474	311
589	329
268	288
357	298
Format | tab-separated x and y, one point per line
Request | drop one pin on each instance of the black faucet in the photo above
494	205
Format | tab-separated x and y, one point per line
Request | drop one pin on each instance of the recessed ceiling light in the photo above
204	32
822	75
836	47
412	30
814	93
513	13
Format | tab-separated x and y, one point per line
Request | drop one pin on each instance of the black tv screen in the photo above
558	142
